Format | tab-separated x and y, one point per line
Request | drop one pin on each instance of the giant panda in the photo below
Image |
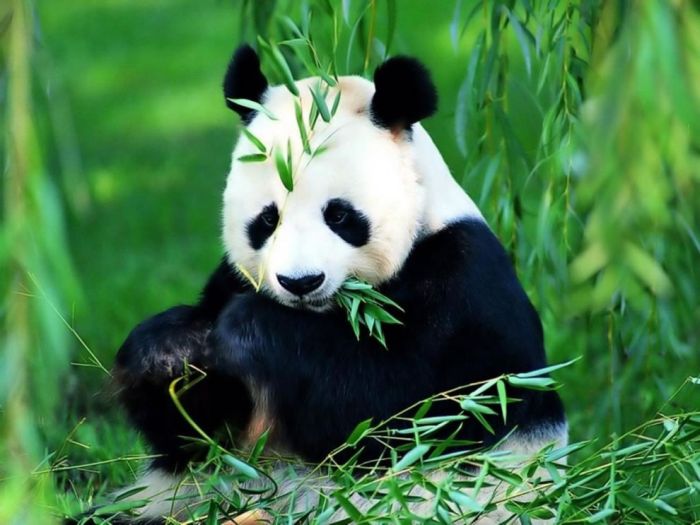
378	204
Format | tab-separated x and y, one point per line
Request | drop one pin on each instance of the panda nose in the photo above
301	285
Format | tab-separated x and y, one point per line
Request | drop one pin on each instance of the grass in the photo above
573	125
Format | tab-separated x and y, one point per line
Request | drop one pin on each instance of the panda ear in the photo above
244	79
404	94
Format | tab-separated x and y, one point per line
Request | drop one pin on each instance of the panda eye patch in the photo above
345	221
262	226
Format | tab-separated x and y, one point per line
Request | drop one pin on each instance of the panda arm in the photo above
159	350
222	284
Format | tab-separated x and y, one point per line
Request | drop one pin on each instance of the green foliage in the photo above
649	475
573	125
367	307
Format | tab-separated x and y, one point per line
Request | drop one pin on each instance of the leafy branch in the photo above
365	306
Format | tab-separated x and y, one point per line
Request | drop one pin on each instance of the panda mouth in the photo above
320	304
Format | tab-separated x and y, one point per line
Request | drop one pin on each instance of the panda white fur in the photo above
380	204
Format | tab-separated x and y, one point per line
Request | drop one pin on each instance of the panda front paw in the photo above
160	347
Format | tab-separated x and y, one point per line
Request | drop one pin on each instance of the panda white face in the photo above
355	208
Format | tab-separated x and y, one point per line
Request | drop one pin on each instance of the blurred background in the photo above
574	125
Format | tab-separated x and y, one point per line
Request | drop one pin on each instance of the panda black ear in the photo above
244	79
404	94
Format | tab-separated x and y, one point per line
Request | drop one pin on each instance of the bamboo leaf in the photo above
320	102
548	369
254	140
353	512
521	35
360	431
253	157
601	515
415	454
251	104
283	170
465	501
281	65
503	399
240	466
213	513
474	407
533	383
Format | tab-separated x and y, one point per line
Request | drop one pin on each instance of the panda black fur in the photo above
276	363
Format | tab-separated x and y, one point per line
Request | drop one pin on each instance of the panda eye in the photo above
269	218
336	216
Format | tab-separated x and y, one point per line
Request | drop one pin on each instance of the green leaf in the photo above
253	157
533	383
213	513
295	42
259	447
364	305
361	430
413	455
251	104
354	284
380	314
355	324
330	81
522	37
302	127
465	501
131	492
283	170
547	370
506	475
661	504
281	65
353	512
320	103
293	28
626	451
481	419
503	399
474	407
438	419
354	308
241	466
254	140
601	515
379	334
369	321
336	103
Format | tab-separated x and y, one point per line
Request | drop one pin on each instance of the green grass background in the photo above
135	141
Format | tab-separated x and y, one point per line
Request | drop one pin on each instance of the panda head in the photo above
357	204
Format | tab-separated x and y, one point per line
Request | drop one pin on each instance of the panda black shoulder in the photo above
462	276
